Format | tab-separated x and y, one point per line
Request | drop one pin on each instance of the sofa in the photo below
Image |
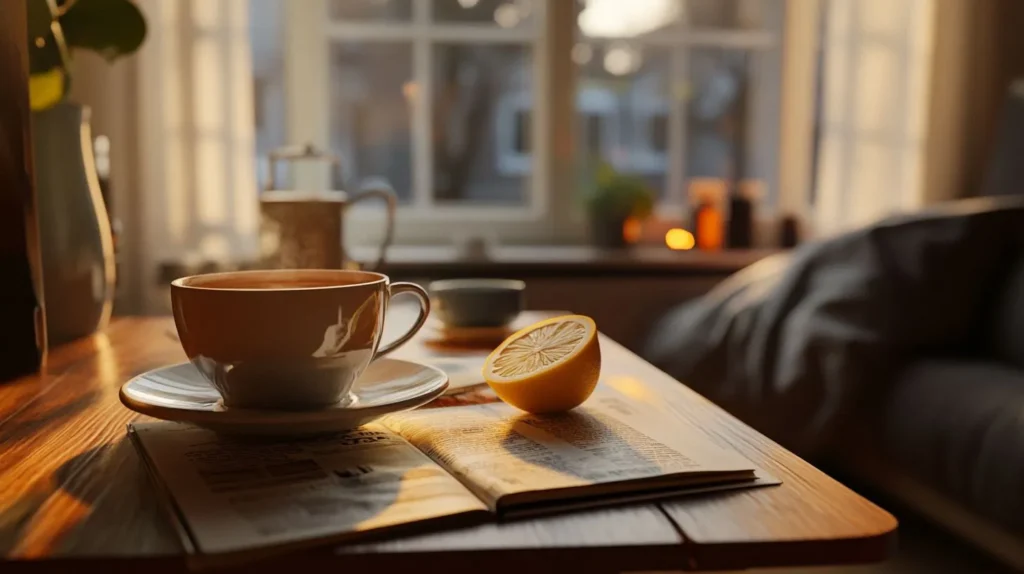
895	351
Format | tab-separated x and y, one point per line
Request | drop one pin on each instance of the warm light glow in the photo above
622	59
634	388
632	229
468	3
626	18
679	239
582	54
507	16
410	90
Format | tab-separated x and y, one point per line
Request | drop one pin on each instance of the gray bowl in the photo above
477	302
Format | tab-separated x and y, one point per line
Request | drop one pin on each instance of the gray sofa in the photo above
896	350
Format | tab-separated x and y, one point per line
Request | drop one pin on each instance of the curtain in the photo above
912	94
874	96
980	54
197	178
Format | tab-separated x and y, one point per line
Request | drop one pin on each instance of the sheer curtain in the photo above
197	180
875	94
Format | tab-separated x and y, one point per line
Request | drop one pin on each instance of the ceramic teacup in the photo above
477	302
286	339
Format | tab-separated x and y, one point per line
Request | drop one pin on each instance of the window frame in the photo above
549	215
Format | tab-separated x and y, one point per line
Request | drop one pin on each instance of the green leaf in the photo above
616	194
45	58
605	174
44	52
113	28
39	18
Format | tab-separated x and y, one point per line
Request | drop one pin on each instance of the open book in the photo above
457	465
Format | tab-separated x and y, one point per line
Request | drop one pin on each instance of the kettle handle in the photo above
378	187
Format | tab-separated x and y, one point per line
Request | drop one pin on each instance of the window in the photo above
688	88
454	102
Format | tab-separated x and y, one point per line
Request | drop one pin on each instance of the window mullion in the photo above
422	126
678	87
557	93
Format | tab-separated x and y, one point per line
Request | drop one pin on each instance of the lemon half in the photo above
550	366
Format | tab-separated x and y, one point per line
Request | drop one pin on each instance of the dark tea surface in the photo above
277	283
280	279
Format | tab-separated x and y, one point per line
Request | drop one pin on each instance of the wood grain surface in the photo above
73	488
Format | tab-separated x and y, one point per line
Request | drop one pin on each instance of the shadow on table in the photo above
608	441
97	503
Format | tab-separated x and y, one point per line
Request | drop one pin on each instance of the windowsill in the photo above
531	261
563	260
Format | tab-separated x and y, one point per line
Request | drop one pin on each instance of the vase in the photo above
75	237
606	230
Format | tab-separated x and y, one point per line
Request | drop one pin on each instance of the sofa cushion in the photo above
793	345
1007	319
960	425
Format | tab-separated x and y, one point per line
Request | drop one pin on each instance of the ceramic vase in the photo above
75	237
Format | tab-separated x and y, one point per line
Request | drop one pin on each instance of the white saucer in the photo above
180	393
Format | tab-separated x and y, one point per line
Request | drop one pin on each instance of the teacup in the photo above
286	339
477	302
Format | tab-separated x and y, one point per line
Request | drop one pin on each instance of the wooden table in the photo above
74	492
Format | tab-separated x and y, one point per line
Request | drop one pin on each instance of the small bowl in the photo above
477	302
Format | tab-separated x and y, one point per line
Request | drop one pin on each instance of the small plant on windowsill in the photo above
613	199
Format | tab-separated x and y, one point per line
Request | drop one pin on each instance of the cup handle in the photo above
424	300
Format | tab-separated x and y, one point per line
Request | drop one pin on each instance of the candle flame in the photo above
679	239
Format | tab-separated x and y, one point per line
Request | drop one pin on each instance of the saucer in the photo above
180	393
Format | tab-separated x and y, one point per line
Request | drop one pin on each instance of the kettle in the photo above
305	229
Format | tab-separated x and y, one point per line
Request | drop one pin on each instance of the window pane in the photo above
717	114
378	10
481	115
504	13
625	96
623	102
370	113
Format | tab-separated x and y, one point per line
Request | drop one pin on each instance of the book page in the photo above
499	451
235	494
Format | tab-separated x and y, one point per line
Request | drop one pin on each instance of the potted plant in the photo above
75	237
612	198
